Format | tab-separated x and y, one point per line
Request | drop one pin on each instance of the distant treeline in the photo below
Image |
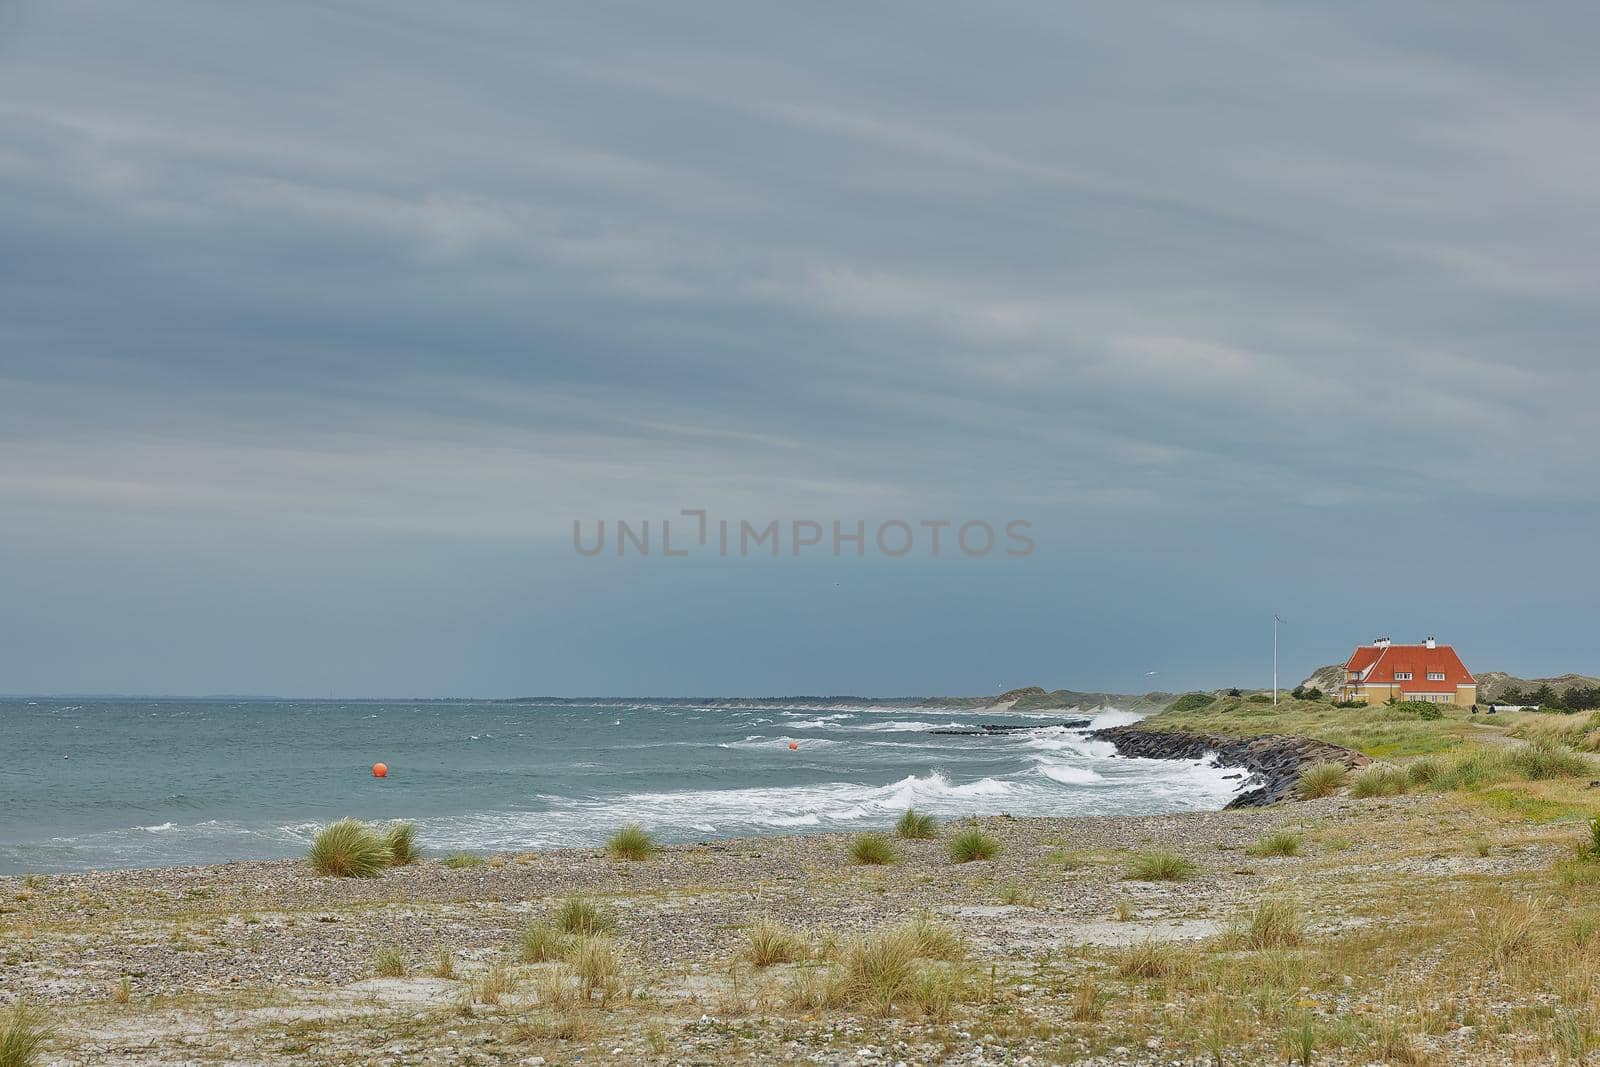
1577	698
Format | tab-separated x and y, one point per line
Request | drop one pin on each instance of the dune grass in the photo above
972	844
1160	867
541	941
1379	781
444	964
1322	780
771	943
349	848
632	842
401	837
389	963
24	1031
1278	843
580	915
873	849
593	959
1275	923
915	826
460	861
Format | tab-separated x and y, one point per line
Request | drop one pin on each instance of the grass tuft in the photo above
1379	781
1160	867
1279	843
444	965
873	849
580	915
915	826
594	960
401	837
22	1036
458	861
1154	960
389	963
972	844
632	842
540	942
349	849
1274	924
772	943
1322	780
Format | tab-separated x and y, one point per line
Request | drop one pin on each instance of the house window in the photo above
1436	676
1402	676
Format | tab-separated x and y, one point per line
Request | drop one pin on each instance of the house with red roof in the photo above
1384	671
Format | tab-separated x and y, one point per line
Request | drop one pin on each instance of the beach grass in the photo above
444	964
916	826
873	849
632	842
1275	923
593	959
460	861
1160	867
971	845
540	942
24	1031
1322	780
389	962
401	837
1277	843
580	915
771	942
1379	781
349	848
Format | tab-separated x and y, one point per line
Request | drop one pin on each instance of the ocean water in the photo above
165	783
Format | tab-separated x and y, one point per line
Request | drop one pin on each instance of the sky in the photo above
321	324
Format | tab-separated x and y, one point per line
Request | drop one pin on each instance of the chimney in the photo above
1381	642
1431	643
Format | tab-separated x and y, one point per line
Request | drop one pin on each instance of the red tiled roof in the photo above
1418	661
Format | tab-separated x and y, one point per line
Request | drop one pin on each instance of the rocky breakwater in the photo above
1274	761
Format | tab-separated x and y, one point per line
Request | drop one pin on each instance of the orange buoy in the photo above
793	745
380	770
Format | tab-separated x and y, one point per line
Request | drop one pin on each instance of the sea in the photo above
156	783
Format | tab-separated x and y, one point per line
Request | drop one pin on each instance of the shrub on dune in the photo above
916	826
349	848
401	838
972	844
873	849
632	842
1321	780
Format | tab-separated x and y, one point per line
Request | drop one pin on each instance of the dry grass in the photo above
349	848
1160	867
122	990
1088	1001
772	943
632	842
389	963
495	983
873	849
23	1035
541	941
444	964
1278	843
594	961
1015	895
914	963
1155	960
1275	923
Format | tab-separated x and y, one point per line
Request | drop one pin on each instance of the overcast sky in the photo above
320	324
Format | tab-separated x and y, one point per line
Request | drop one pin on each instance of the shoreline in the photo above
1273	761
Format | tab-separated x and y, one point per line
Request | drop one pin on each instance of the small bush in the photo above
1259	698
22	1036
401	838
1379	781
1322	780
1274	924
1279	843
457	861
539	942
935	989
349	849
773	943
972	844
917	827
1160	867
579	915
1126	911
389	963
1192	702
873	849
632	842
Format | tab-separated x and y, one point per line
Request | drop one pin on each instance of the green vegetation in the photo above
1322	780
580	915
1280	843
457	861
916	827
349	849
1191	702
772	943
1378	730
632	842
972	844
1379	781
1275	923
401	837
873	849
22	1036
594	960
1160	867
904	964
389	963
540	942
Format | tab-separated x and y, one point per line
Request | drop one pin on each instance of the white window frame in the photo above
1402	676
1436	676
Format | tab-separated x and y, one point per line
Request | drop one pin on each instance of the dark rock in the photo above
1274	762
